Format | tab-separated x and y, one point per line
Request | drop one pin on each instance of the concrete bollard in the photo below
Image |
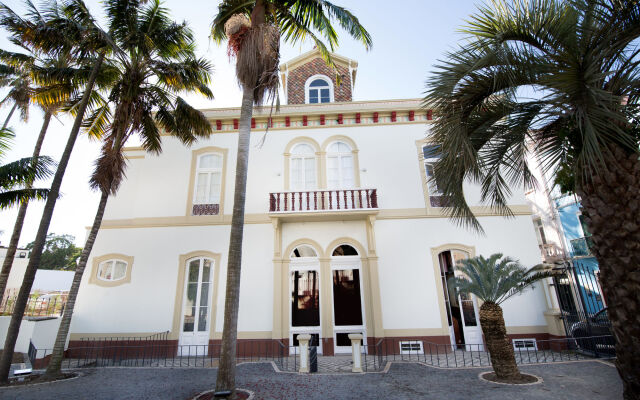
355	352
303	344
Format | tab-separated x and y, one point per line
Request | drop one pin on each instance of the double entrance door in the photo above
345	301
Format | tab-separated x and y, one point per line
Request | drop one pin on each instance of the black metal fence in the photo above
40	306
156	351
583	306
527	351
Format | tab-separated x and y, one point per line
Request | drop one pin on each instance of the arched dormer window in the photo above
318	89
340	171
303	167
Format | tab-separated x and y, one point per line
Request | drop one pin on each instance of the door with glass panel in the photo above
340	174
196	307
462	308
304	274
348	310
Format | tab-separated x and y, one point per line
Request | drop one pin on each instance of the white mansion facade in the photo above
342	232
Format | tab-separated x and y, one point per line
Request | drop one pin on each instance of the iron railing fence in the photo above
40	306
157	353
527	351
116	339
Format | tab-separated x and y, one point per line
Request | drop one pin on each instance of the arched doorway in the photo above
462	309
348	301
304	286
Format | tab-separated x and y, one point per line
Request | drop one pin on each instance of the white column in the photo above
355	352
303	346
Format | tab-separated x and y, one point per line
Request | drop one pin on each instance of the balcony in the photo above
582	246
322	201
550	252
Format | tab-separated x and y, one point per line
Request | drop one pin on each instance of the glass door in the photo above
348	313
196	305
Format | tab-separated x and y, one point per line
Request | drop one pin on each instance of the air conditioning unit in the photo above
524	344
411	347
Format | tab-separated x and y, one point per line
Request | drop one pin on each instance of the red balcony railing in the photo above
323	200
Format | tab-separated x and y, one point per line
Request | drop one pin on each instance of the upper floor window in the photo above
303	167
208	179
431	156
319	89
340	171
112	270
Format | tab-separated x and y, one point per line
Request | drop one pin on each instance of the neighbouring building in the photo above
564	240
343	231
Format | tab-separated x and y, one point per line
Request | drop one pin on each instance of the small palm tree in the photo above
17	177
70	22
155	60
253	29
494	280
556	80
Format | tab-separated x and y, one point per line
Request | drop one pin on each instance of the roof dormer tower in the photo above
306	79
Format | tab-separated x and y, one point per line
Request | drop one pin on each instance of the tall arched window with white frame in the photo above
303	167
208	183
318	89
340	166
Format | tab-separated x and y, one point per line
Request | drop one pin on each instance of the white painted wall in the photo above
42	332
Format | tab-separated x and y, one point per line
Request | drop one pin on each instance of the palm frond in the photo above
11	198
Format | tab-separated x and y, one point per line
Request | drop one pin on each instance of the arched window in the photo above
319	89
340	173
303	251
303	167
112	270
208	179
344	250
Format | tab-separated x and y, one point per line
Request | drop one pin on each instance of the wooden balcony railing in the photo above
323	200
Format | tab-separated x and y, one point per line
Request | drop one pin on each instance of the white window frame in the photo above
411	343
307	86
303	158
197	301
113	265
432	186
340	156
524	341
209	172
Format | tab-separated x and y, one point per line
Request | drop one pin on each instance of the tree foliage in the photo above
497	278
60	252
556	79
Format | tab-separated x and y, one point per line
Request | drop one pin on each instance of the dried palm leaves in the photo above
257	53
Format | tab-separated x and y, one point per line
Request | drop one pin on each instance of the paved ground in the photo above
580	380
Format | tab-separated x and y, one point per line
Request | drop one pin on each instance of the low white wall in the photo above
41	332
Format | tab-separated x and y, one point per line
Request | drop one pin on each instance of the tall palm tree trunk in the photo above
503	358
22	212
226	379
36	254
612	210
53	369
6	121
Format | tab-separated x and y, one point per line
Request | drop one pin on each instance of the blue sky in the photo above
409	37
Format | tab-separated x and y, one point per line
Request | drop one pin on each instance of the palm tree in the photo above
494	280
557	80
72	23
17	177
253	29
53	84
155	61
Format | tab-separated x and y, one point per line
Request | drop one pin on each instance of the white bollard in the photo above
303	344
355	352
